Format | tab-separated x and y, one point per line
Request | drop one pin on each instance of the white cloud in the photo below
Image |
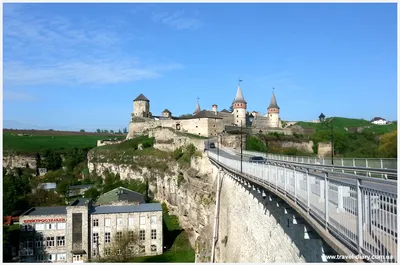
177	20
45	48
81	72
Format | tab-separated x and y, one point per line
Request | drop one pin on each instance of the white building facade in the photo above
82	232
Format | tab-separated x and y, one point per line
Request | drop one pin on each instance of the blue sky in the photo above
69	66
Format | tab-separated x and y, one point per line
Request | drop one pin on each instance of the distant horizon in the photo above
65	68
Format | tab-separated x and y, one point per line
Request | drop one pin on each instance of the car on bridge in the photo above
257	159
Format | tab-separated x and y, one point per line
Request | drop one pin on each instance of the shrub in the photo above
178	153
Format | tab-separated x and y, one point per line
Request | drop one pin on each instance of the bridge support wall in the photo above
256	226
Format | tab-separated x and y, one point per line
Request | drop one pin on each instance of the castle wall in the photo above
195	126
139	128
215	126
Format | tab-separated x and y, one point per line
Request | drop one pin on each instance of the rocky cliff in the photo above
187	190
14	161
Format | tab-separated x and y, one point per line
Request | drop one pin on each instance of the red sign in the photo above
45	220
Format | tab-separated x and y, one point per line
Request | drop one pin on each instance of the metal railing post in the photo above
276	178
359	217
295	185
308	191
326	200
284	175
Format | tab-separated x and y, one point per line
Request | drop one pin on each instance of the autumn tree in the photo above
122	247
388	145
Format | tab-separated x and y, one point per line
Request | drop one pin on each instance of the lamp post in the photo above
241	147
329	125
219	140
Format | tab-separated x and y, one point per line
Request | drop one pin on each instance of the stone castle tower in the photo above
273	113
239	106
141	107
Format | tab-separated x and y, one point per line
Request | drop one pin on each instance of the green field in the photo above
340	124
31	144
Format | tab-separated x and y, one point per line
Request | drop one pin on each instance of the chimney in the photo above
214	108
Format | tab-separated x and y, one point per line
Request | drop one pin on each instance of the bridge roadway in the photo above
379	228
383	186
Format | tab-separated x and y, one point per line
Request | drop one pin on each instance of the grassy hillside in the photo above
340	124
41	141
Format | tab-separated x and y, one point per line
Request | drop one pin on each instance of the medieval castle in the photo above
206	123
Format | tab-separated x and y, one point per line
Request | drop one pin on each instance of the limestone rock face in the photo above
189	194
13	161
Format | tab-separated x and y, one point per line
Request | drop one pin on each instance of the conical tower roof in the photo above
273	103
239	96
141	97
198	109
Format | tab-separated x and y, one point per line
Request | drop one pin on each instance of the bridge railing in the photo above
359	211
388	163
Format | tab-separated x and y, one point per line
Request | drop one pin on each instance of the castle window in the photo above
237	110
237	116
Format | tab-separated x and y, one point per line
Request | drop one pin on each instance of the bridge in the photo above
353	209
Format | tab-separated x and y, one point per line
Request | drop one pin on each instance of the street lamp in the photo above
251	119
329	125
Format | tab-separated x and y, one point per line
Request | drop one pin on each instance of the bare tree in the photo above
122	247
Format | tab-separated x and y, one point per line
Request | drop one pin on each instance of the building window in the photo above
107	222
39	257
40	227
131	235
95	238
237	111
95	222
61	241
39	241
131	221
107	252
153	234
142	235
51	257
153	248
153	220
61	226
237	116
142	220
50	241
94	252
107	237
62	256
29	228
29	244
119	221
119	235
51	226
